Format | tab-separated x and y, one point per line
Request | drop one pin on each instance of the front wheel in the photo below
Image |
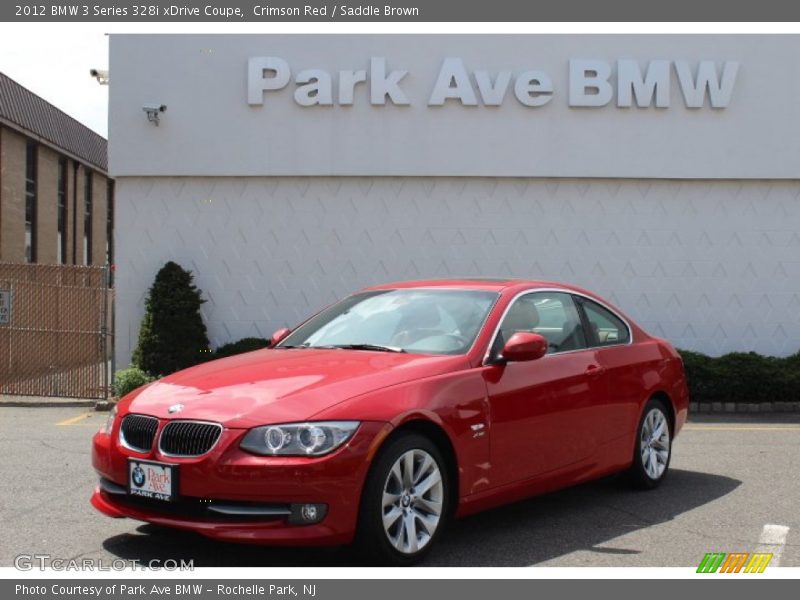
653	447
405	502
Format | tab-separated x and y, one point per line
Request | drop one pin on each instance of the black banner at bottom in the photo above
390	589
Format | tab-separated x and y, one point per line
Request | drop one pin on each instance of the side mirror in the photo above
524	346
279	336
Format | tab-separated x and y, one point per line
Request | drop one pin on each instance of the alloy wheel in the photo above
654	443
413	497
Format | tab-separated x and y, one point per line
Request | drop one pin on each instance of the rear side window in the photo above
606	328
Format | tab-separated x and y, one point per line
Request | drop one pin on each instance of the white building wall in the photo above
710	265
209	127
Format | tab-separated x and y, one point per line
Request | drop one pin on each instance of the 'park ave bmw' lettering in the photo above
592	83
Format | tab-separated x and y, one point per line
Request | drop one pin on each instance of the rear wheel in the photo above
405	502
653	446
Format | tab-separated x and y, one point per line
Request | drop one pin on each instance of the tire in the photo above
653	450
412	525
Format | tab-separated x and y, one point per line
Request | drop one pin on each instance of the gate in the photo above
55	324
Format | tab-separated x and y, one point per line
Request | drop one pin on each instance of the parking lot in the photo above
733	483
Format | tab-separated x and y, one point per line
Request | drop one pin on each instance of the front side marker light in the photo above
109	424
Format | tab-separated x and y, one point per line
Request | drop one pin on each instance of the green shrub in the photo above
172	335
127	380
247	344
742	377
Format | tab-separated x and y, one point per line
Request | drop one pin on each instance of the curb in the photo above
39	403
743	407
20	401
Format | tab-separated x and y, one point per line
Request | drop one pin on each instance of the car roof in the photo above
496	284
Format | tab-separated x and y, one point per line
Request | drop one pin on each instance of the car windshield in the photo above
428	321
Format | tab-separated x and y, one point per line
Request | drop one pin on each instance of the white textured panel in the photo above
210	129
712	266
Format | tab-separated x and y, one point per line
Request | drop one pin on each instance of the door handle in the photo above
594	370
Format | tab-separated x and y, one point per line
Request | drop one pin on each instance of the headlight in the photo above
110	421
299	439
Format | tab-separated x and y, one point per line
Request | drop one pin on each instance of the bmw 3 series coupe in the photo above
394	410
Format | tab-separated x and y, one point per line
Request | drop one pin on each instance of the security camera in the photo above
101	76
153	111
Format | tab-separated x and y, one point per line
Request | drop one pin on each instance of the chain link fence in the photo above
55	330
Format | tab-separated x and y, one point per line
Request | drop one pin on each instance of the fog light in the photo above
307	514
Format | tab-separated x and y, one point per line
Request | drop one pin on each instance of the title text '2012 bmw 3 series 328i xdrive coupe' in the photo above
390	412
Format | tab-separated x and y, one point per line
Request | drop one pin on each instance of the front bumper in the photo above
229	475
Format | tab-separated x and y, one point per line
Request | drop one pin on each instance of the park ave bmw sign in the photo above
592	83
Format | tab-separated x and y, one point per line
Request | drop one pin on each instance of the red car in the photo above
393	410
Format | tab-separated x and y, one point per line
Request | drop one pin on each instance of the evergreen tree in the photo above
172	335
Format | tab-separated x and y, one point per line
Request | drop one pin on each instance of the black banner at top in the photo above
240	11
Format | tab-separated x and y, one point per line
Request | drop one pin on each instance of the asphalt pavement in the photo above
733	483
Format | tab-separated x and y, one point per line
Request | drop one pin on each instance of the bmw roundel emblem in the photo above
175	408
137	476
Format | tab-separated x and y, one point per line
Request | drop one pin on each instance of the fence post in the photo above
110	291
104	330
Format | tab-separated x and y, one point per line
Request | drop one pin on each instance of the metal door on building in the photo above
55	330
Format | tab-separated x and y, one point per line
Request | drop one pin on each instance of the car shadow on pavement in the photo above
522	534
579	518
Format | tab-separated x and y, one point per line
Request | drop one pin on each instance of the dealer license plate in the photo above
154	480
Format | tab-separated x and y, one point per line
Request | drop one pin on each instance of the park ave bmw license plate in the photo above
154	480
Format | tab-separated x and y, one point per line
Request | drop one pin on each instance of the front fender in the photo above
454	402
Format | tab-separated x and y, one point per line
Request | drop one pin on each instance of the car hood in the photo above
279	386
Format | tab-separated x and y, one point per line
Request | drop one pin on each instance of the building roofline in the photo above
30	114
56	148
